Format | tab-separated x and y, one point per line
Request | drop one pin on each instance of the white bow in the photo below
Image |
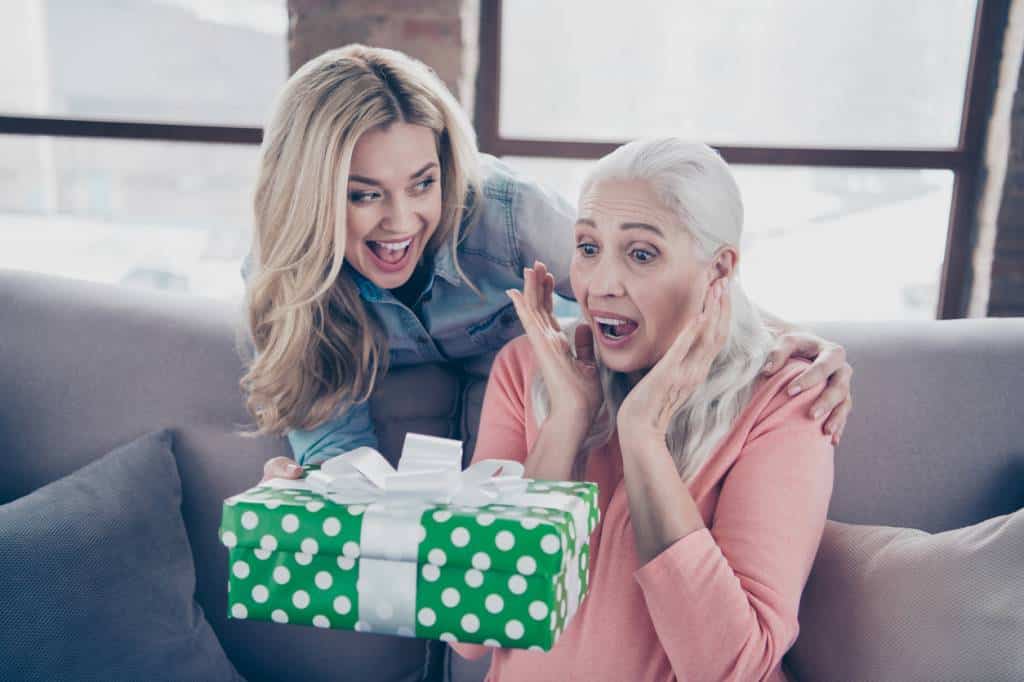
430	469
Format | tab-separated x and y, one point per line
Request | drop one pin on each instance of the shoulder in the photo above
771	407
515	362
515	194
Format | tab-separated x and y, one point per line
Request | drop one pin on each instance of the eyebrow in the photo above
624	226
370	181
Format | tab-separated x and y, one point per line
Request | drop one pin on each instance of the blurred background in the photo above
877	143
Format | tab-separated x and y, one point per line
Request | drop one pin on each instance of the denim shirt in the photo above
519	222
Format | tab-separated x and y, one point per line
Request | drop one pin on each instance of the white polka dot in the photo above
421	534
260	594
538	610
474	578
310	546
321	622
240	569
272	504
350	549
385	610
303	559
554	619
505	540
282	575
482	561
529	523
470	623
448	637
514	629
437	557
450	597
229	539
268	543
550	544
442	516
535	647
332	526
290	523
239	611
517	584
314	507
492	643
323	580
427	616
356	509
526	565
494	603
561	610
262	554
485	519
346	563
279	616
342	605
300	599
431	572
250	520
583	561
460	537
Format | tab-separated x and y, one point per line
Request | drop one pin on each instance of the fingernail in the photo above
794	389
817	413
768	366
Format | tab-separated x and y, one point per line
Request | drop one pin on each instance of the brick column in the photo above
441	33
997	288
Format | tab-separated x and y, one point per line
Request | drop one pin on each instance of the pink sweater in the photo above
719	604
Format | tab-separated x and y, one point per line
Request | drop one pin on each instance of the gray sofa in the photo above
936	440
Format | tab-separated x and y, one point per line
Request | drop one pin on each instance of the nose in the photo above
401	217
607	280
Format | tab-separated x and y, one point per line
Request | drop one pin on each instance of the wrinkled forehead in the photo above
610	203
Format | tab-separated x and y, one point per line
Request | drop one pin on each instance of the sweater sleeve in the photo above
502	430
724	600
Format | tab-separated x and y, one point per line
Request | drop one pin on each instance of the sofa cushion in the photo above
97	580
889	603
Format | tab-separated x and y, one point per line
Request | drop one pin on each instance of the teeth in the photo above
610	321
397	246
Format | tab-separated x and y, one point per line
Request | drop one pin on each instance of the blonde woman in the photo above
713	485
383	238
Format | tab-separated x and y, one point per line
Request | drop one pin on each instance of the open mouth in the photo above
615	328
391	255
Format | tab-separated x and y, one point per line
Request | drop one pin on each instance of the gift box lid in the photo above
548	523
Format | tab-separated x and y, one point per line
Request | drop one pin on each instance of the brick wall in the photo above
441	33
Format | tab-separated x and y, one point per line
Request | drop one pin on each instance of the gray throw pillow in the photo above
887	603
97	580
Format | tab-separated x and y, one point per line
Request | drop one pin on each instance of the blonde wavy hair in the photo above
695	183
315	347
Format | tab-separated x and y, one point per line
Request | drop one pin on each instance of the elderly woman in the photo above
714	485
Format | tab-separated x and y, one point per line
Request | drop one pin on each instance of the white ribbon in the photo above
429	473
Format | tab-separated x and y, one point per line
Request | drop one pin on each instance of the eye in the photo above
642	256
423	185
363	197
586	249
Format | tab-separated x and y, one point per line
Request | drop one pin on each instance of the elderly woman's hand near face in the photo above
648	409
573	381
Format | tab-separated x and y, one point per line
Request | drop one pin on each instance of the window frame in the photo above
965	160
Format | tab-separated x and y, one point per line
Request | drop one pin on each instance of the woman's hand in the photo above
654	400
829	364
573	382
280	467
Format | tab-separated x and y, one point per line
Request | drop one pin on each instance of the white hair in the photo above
693	182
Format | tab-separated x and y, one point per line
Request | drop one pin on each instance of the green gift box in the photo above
427	551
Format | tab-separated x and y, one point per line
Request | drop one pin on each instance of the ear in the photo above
723	264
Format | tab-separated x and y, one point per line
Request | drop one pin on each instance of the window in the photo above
122	159
854	127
